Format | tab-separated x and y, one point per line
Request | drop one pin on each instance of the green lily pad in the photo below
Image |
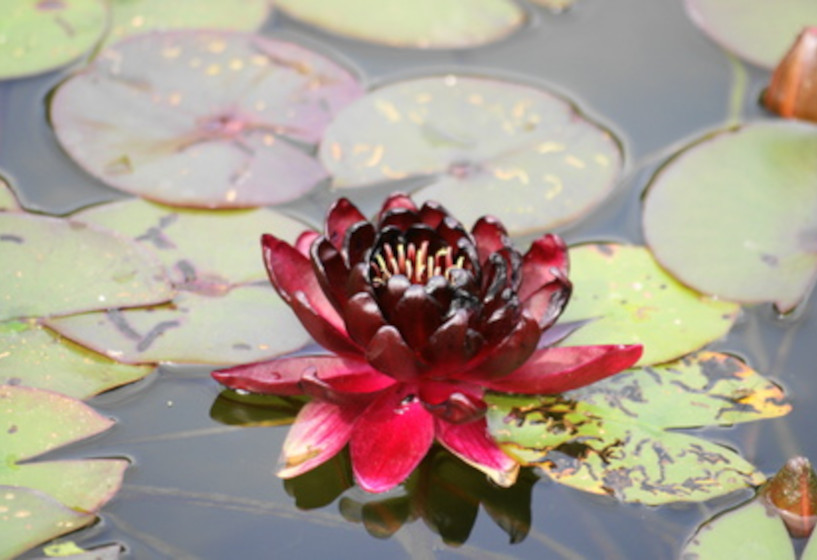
634	301
761	34
434	24
735	215
203	251
29	517
8	200
202	118
131	17
617	436
748	532
810	552
521	152
247	324
33	356
58	266
41	35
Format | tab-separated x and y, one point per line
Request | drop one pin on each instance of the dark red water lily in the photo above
422	317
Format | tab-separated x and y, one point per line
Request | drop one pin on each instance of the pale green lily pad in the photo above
247	324
618	436
749	532
760	33
555	6
634	301
33	356
8	200
203	251
434	24
202	118
735	215
521	152
54	266
29	517
131	17
810	552
40	35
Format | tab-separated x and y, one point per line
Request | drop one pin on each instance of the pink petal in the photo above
283	375
546	253
396	200
341	216
320	431
387	352
560	369
304	241
471	443
456	402
490	236
390	439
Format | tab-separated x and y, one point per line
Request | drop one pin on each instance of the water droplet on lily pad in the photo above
436	24
202	118
479	143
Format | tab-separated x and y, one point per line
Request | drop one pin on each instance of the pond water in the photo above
199	488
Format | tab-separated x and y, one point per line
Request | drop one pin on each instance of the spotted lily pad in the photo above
761	34
247	324
202	118
131	17
634	301
40	35
482	143
735	215
617	436
33	356
435	24
203	251
54	266
32	422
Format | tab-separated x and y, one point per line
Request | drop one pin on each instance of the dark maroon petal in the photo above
490	236
304	242
363	318
560	369
359	241
545	254
432	213
417	315
358	280
391	293
390	439
341	216
401	218
453	344
509	354
501	322
331	272
471	443
547	303
388	353
324	333
282	375
320	431
452	232
456	403
396	200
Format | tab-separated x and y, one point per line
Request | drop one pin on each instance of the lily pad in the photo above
247	324
617	436
37	36
762	34
735	215
203	251
33	356
748	532
634	301
202	118
521	152
434	24
8	200
131	17
29	517
55	266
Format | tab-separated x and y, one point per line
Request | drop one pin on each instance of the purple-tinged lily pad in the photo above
636	302
53	266
523	153
29	517
428	24
247	324
735	215
33	356
760	33
203	251
202	118
40	35
131	17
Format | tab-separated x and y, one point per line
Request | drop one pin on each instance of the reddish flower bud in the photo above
792	492
792	92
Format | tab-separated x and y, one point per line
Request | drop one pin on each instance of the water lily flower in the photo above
421	318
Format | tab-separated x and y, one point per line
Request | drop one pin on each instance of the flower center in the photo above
415	263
